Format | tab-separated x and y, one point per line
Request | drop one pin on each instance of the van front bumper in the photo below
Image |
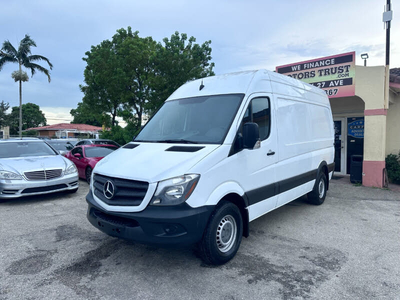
179	225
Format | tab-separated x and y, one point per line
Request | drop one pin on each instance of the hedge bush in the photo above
393	167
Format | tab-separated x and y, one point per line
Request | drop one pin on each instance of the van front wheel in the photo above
222	237
318	194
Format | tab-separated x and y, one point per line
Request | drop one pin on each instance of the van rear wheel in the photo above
223	235
318	194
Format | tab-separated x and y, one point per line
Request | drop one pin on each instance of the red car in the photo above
85	157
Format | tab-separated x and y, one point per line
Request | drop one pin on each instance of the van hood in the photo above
152	162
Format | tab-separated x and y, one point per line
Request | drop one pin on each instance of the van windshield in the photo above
199	120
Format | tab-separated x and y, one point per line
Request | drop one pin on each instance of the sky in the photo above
245	35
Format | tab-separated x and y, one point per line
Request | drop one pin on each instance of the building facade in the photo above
66	130
4	132
366	125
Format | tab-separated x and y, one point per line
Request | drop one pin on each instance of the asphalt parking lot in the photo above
348	248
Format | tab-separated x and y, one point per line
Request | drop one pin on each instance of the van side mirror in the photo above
251	135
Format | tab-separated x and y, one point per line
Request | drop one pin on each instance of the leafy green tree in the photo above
85	115
179	60
32	116
116	134
3	113
121	135
137	59
104	80
24	58
129	75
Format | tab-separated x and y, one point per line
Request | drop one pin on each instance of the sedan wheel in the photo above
88	174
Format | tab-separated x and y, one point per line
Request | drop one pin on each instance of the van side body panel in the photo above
305	136
301	123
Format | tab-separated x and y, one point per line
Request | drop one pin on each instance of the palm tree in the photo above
24	58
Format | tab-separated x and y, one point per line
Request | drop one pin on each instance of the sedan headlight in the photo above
175	191
9	175
71	170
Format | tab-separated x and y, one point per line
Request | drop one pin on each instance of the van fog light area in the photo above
175	191
174	229
170	229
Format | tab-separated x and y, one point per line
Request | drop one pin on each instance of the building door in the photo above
340	145
355	138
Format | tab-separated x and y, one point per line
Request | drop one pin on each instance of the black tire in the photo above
318	194
222	236
88	174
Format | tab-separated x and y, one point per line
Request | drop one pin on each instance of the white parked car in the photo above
221	152
31	167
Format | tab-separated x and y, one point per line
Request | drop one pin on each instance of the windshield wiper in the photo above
181	141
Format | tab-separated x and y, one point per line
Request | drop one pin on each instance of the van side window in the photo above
259	112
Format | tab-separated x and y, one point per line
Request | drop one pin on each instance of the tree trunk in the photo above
140	113
113	119
20	104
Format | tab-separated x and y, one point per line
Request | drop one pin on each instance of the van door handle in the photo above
270	152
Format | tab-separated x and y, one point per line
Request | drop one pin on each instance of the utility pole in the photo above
387	18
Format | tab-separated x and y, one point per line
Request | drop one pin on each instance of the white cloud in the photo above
55	115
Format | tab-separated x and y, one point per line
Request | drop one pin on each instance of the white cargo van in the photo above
221	152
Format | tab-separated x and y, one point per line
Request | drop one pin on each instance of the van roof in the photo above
247	82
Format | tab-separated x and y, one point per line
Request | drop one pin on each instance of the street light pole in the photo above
365	56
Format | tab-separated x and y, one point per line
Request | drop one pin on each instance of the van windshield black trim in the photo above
196	120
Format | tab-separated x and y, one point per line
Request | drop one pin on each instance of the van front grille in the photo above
125	192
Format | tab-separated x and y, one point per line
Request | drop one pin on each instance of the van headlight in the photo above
71	170
9	175
175	191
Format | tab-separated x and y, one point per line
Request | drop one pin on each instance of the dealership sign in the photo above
334	74
356	129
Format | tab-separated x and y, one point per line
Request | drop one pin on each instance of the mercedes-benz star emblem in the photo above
108	190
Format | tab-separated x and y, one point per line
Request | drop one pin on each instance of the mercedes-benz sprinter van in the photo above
221	152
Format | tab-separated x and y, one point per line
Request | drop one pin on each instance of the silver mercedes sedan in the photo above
31	167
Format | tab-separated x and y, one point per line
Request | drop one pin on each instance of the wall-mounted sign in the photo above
334	74
356	129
